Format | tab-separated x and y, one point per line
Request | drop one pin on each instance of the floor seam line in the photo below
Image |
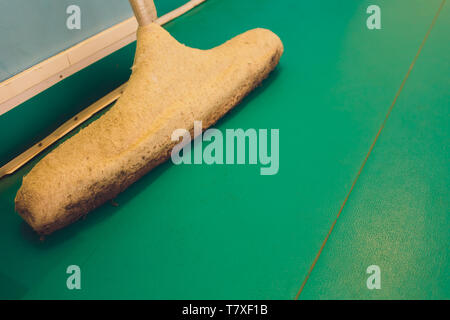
371	148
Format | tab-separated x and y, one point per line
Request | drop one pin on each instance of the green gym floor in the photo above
225	231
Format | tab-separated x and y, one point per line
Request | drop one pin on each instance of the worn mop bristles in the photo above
171	87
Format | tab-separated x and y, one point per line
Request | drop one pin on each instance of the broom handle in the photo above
144	10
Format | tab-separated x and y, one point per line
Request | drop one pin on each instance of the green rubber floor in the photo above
398	217
226	232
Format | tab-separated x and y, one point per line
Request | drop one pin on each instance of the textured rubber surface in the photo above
398	216
225	231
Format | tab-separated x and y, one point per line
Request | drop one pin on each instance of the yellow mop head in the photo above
171	86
